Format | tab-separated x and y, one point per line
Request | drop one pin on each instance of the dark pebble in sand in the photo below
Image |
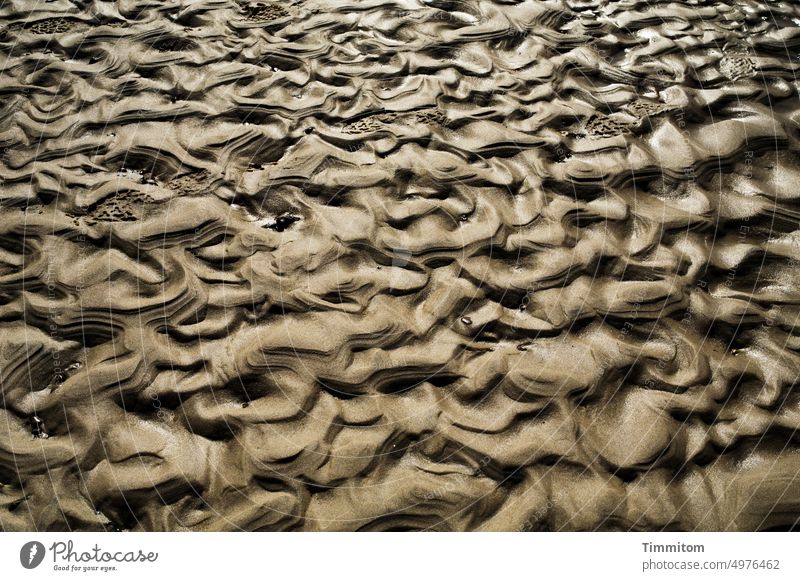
37	427
283	222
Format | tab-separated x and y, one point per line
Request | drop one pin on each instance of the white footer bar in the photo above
401	556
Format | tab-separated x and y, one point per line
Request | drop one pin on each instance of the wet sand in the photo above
372	265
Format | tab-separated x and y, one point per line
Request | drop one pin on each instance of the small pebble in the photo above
37	427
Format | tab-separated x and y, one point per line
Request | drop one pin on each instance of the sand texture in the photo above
399	265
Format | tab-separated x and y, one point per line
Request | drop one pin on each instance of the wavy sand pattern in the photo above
399	265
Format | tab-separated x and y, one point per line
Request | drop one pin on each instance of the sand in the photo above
399	265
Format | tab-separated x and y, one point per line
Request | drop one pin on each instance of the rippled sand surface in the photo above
376	265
